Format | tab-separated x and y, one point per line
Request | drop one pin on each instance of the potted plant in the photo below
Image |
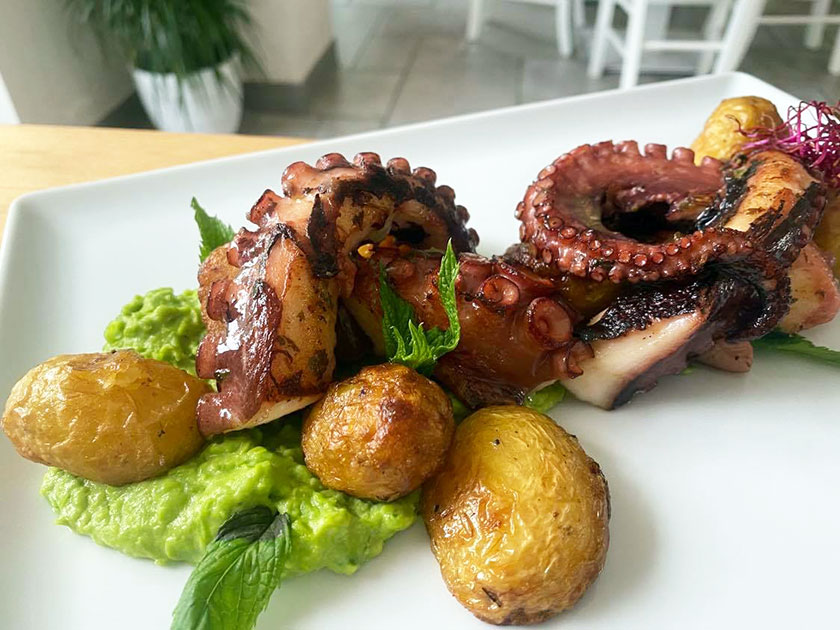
185	56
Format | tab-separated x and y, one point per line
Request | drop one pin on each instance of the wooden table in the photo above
33	157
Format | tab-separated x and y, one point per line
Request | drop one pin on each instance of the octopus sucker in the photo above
270	297
517	331
613	208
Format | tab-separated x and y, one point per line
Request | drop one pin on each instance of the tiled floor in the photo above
403	61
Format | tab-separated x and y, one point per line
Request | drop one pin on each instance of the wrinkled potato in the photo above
827	235
380	434
115	418
720	137
518	516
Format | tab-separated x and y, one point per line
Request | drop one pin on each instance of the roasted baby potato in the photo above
380	434
720	137
518	516
115	418
827	235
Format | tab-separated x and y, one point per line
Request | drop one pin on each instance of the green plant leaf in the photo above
459	409
546	398
798	345
406	341
241	568
166	36
213	231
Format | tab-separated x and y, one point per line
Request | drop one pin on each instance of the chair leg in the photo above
578	14
713	30
834	62
633	44
814	32
563	26
739	34
598	49
475	19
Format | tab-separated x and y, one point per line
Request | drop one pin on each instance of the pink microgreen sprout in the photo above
811	134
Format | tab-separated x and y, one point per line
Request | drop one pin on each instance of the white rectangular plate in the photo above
724	487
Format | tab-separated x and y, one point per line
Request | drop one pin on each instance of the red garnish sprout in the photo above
811	133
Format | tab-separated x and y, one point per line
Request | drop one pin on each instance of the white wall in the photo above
291	36
53	70
8	113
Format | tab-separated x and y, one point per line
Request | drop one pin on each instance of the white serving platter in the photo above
724	487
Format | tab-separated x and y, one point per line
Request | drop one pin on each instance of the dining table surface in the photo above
34	157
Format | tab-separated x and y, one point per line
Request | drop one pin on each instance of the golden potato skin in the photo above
518	516
115	417
720	137
380	434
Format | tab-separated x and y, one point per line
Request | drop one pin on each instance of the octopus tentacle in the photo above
713	272
270	297
751	219
654	331
517	333
564	211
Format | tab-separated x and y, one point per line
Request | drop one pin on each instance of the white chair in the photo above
816	21
567	12
729	41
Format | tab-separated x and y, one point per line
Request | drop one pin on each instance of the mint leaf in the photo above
459	409
799	345
406	341
397	314
213	231
241	568
446	289
544	399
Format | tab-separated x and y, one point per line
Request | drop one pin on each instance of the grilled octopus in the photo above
702	253
517	330
696	256
270	297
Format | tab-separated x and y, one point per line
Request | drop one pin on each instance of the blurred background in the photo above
321	68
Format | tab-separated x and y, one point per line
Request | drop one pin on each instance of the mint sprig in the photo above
406	341
797	345
544	399
241	568
214	232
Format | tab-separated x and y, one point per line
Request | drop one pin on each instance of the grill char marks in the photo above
655	332
270	297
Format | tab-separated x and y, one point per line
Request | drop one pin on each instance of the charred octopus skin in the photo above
517	332
269	298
